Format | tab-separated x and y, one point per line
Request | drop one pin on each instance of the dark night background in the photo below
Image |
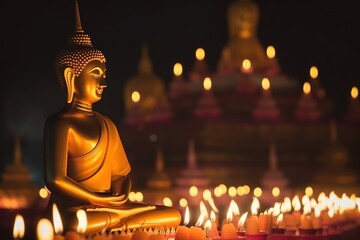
304	33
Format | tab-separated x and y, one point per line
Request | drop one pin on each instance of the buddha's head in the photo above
80	68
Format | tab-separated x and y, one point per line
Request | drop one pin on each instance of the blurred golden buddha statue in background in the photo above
86	166
243	42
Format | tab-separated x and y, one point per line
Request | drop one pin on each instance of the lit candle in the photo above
296	213
252	223
213	231
183	232
44	230
241	223
228	230
263	222
58	226
81	227
19	227
315	219
305	220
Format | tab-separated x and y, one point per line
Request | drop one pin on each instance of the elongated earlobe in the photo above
69	79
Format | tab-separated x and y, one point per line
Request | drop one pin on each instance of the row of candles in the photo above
296	216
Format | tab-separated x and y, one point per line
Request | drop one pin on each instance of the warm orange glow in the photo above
200	54
139	197
19	227
265	84
354	92
270	52
314	72
257	192
167	202
178	69
132	196
309	191
82	221
242	220
246	64
58	226
193	191
207	83
135	96
183	202
275	191
187	216
306	88
43	193
255	205
44	230
232	191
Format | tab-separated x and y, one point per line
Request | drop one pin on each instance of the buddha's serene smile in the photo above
86	166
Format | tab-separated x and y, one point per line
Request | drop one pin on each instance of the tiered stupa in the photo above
207	106
17	190
153	102
353	110
274	177
192	175
266	107
335	163
307	108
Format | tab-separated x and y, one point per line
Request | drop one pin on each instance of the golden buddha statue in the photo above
86	166
243	43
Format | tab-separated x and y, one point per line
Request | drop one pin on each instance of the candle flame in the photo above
58	226
246	64
279	218
135	96
207	225
43	193
167	202
212	205
212	216
354	92
203	209
187	216
265	83
306	209
229	215
331	213
207	83
255	205
314	72
317	211
44	230
19	226
306	88
200	220
296	203
270	52
82	221
178	69
234	207
200	54
242	220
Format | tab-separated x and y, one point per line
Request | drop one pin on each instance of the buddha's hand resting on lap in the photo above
110	200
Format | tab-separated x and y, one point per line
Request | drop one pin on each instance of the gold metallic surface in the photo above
86	166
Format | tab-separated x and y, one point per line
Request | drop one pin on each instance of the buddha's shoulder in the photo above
61	119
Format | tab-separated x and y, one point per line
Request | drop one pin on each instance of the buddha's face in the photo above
90	84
